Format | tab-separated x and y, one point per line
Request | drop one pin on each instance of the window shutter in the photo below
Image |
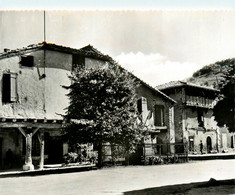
13	88
9	88
6	88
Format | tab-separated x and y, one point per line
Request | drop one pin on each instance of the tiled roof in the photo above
21	51
158	91
88	51
175	84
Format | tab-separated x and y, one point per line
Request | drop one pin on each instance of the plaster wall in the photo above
52	59
37	98
94	63
200	135
192	122
156	99
226	139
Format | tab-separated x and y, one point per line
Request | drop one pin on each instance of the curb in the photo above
48	171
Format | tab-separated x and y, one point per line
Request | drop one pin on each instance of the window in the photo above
200	118
139	105
27	61
9	88
78	60
191	143
159	115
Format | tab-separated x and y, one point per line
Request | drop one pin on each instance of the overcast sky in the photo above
157	46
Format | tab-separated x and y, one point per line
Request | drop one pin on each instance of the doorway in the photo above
232	142
209	144
0	153
55	150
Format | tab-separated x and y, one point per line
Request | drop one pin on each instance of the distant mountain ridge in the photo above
211	75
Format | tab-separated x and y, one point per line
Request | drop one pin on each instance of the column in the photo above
28	156
42	145
28	134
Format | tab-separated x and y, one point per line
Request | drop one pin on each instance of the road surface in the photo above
117	180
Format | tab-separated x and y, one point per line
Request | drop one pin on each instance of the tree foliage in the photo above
102	107
224	110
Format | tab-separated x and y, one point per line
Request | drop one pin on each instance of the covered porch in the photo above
23	141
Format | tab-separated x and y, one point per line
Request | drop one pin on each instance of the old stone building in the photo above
33	102
157	113
194	120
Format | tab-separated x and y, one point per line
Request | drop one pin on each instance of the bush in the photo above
73	157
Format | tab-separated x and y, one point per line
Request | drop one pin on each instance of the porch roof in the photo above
31	123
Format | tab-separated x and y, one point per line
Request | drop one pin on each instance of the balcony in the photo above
198	101
158	129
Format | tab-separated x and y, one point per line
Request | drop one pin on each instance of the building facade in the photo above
157	114
33	103
194	120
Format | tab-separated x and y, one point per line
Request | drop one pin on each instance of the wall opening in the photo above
209	144
27	61
159	115
200	117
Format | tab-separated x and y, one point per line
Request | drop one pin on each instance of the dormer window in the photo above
27	61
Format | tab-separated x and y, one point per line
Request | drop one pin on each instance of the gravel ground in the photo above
117	180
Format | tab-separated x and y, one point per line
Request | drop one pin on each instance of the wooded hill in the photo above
211	75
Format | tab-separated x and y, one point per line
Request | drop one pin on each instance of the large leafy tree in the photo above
102	108
224	110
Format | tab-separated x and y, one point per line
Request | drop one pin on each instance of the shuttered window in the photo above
159	115
9	88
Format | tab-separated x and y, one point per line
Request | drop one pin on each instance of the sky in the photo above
157	42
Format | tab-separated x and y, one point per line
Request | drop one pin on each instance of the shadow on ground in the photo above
212	187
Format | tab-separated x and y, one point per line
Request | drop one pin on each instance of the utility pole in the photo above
44	38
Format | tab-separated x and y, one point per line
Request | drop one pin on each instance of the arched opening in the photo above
209	144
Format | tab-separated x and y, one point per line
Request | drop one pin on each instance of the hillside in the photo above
211	75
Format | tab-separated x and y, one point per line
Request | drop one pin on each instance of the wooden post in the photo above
42	144
28	156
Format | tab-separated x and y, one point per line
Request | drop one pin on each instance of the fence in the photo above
165	153
148	154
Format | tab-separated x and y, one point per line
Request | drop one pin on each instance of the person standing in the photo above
9	158
201	146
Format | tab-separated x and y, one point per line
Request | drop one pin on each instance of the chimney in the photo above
6	49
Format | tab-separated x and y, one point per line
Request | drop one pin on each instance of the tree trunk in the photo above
100	156
127	158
